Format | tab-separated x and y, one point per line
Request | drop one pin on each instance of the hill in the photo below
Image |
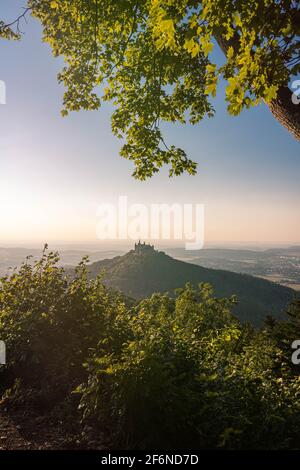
143	271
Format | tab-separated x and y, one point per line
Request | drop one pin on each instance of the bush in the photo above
51	324
168	373
189	376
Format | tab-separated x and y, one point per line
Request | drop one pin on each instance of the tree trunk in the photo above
286	112
282	107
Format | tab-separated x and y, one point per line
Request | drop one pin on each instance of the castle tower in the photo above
142	248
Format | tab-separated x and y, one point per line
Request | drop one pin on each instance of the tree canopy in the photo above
152	59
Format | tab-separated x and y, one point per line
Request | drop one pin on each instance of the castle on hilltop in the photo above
140	248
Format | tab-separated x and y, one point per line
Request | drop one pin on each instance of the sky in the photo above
54	171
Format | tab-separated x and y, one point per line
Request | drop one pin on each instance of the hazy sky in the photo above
55	171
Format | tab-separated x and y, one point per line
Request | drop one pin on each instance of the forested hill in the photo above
141	273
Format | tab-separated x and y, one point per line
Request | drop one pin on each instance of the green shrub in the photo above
169	373
189	376
51	324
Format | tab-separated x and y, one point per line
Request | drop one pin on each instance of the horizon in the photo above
119	245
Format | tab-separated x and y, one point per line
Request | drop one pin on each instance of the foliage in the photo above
153	60
50	323
189	376
6	32
170	372
285	332
12	30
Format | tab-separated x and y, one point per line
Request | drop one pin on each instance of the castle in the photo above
140	248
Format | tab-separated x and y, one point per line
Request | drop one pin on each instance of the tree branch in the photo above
282	107
16	22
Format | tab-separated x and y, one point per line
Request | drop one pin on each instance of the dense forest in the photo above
140	274
166	372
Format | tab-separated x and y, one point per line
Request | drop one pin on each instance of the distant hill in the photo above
143	271
11	257
280	265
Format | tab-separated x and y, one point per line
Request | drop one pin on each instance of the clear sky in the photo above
55	171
